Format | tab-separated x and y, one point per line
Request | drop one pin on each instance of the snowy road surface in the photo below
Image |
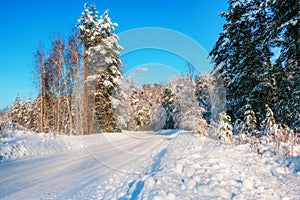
140	165
61	175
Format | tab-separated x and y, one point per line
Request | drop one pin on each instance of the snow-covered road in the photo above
61	175
141	165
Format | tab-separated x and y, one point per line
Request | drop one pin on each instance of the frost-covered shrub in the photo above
283	140
280	140
187	114
122	106
205	87
158	118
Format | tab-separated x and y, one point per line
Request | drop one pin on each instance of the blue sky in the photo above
26	23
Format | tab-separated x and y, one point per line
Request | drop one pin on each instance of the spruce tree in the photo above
90	36
285	32
225	133
230	56
243	58
250	121
269	120
104	57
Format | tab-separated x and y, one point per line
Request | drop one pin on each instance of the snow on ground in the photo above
19	145
142	165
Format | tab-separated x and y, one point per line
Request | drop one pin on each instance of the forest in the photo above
256	75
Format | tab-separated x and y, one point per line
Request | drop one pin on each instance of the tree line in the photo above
256	58
81	88
257	55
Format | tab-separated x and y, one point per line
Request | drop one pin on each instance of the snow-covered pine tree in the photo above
90	36
295	101
16	110
269	121
157	112
141	109
241	58
225	128
25	113
89	30
105	58
33	111
250	121
227	52
284	30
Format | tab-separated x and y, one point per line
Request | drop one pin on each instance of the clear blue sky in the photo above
26	23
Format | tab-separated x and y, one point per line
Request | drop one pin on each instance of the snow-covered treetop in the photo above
93	30
108	48
107	26
88	24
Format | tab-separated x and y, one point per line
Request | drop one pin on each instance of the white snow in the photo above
20	145
167	164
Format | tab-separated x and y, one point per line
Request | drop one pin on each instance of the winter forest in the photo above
256	60
82	90
232	133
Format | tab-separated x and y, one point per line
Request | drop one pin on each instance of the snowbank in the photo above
19	144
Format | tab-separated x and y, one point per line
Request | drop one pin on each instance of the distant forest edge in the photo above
257	72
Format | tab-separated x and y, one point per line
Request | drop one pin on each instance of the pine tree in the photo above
228	53
141	109
90	35
250	121
101	51
225	128
295	101
242	58
269	120
122	106
105	56
285	32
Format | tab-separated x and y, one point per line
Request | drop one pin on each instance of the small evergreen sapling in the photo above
250	121
269	121
225	128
